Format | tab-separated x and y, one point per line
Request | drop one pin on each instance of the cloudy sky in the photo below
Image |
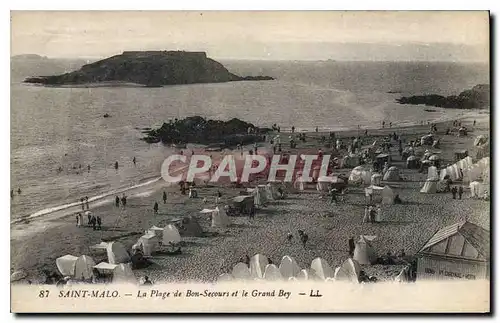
434	35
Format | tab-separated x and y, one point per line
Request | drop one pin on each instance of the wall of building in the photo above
434	268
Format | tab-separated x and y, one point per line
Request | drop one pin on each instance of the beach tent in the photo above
220	218
189	226
304	274
426	140
349	271
66	265
412	162
478	189
350	161
376	179
430	187
244	204
99	247
258	265
259	199
105	268
149	243
480	140
364	253
170	235
483	150
465	162
301	183
123	274
382	159
387	195
462	132
225	278
360	175
392	174
473	173
84	267
402	277
432	173
264	191
272	273
375	192
289	267
158	232
117	253
321	268
241	271
323	184
271	191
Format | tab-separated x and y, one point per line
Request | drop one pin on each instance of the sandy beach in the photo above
36	245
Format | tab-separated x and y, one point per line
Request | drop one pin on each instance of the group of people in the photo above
457	191
12	193
85	203
123	200
93	221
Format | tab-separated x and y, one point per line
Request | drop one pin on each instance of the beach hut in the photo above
473	173
364	253
289	267
376	179
272	273
348	272
84	267
483	150
480	140
359	175
412	162
430	187
66	265
258	265
321	268
123	274
149	243
392	174
171	235
117	253
432	173
387	195
375	192
244	204
458	251
241	272
188	226
478	190
220	218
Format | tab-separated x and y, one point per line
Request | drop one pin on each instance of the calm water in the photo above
52	128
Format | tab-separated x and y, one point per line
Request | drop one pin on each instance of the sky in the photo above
278	35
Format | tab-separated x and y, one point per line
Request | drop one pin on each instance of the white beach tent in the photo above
123	274
149	243
157	231
99	247
432	173
375	192
364	253
171	235
117	253
478	189
241	271
220	218
376	179
473	173
392	174
348	272
304	274
360	175
289	267
84	267
258	265
66	265
430	187
272	273
321	268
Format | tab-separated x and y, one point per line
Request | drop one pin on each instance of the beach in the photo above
37	244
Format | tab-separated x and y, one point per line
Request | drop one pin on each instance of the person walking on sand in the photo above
460	192
87	202
155	208
77	221
99	222
134	161
352	246
124	200
89	217
293	129
94	223
383	124
83	204
116	165
454	192
117	201
316	129
19	191
474	124
164	197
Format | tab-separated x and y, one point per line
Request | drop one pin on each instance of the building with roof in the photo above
458	251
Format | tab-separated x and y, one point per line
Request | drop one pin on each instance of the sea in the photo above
54	128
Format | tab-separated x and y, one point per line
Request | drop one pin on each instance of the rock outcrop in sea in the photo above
149	68
476	98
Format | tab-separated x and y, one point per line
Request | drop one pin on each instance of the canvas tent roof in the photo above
123	274
272	273
464	240
100	246
258	265
66	265
289	267
171	234
117	253
321	268
430	187
220	218
348	271
241	271
84	266
364	253
104	266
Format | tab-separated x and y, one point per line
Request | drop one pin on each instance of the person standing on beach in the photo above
134	161
460	192
474	124
383	124
352	246
124	200
293	128
88	168
83	204
117	201
155	208
316	129
164	197
77	220
94	223
454	192
116	165
87	202
99	222
19	191
89	217
11	194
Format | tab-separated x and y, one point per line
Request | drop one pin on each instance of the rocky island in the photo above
147	68
476	98
201	131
